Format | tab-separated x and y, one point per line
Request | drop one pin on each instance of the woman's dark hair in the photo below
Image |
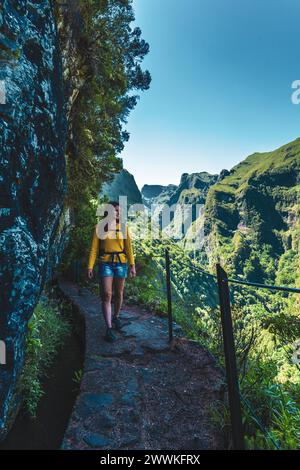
114	204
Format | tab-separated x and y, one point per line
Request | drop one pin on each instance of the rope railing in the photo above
263	286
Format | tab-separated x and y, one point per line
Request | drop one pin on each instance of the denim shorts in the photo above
110	269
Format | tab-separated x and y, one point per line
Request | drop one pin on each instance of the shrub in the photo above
47	331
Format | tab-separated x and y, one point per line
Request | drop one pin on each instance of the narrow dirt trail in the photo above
139	392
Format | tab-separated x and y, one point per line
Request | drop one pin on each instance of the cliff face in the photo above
193	188
32	172
156	193
191	191
123	184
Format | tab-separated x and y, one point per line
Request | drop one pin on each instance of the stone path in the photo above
139	392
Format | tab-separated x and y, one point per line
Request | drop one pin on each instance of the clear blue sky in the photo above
221	85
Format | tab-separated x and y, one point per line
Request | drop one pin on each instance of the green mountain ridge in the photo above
192	189
251	220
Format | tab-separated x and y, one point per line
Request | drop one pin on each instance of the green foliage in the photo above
147	287
287	267
110	53
286	422
265	326
81	234
47	331
78	377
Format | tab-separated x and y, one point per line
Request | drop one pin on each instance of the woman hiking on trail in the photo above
113	243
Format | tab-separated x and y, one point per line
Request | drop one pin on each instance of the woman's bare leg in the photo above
119	284
106	294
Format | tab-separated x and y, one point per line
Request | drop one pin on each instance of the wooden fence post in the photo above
169	295
230	361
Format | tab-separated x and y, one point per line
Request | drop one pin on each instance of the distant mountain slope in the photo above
192	191
193	188
252	216
156	194
123	184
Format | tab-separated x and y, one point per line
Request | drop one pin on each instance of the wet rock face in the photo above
32	172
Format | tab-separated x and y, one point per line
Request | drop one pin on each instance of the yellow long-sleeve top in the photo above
113	241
